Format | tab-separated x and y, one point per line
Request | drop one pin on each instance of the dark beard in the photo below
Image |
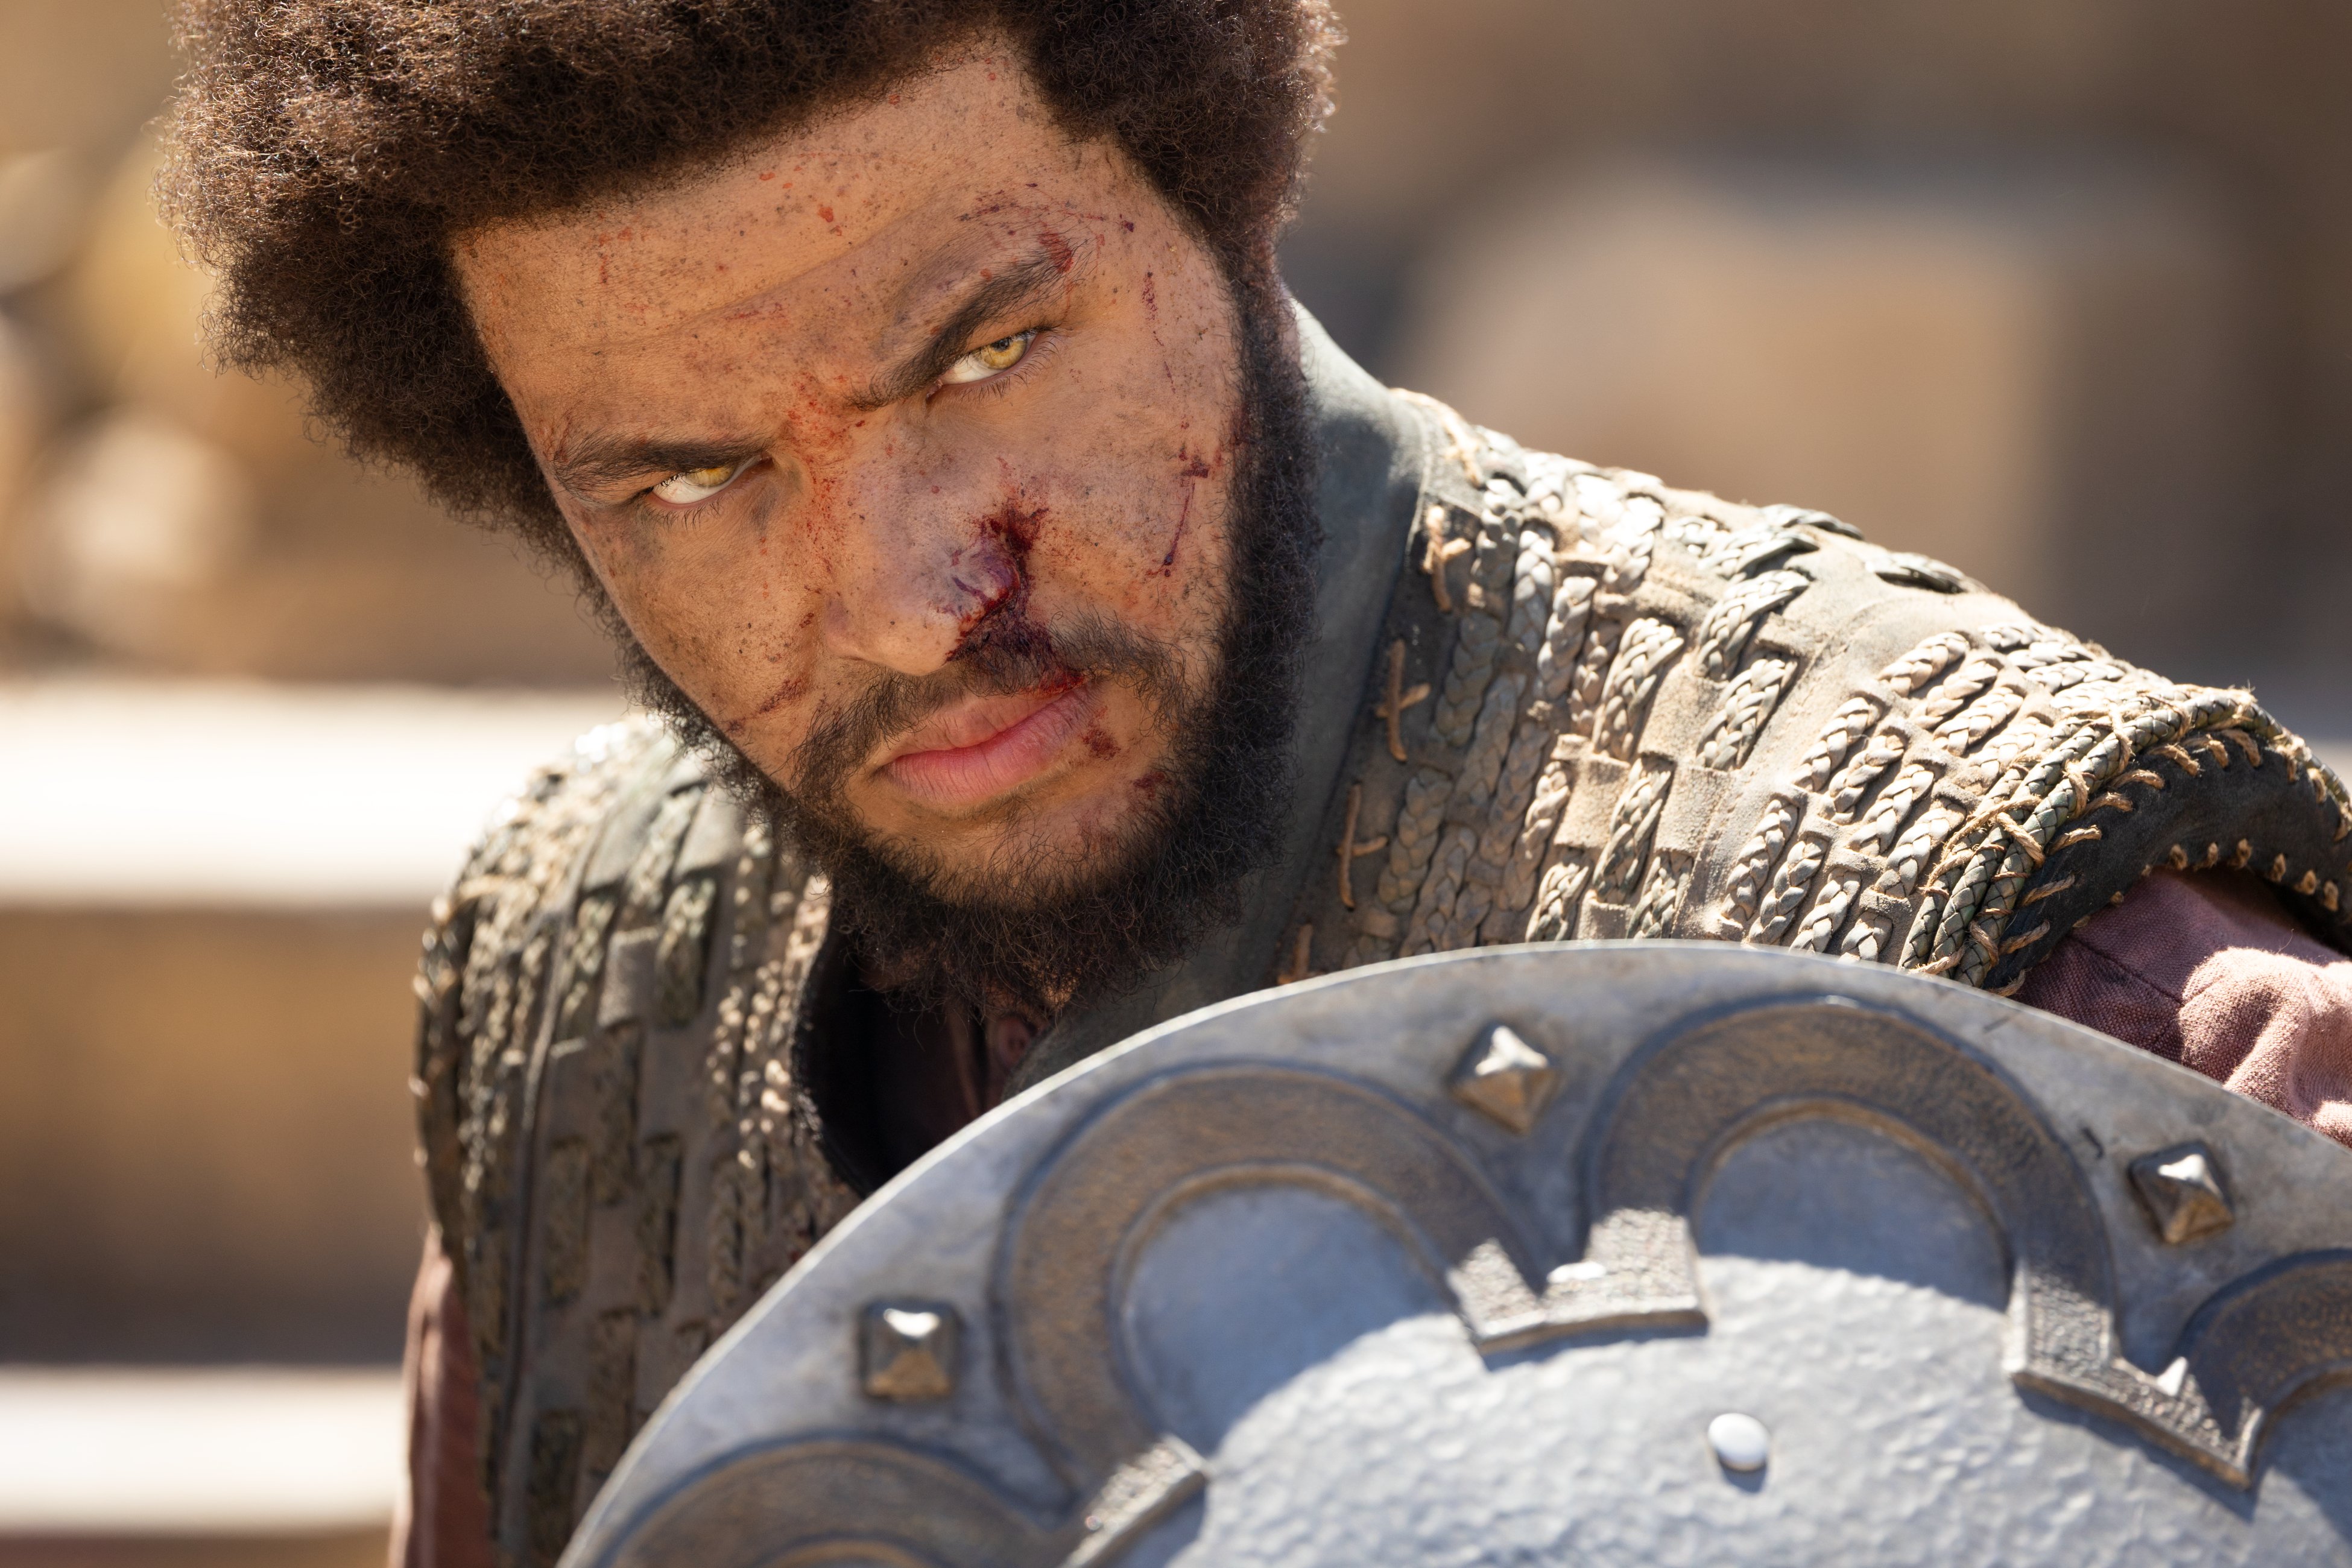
1085	928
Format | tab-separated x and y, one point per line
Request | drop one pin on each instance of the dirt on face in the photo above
924	454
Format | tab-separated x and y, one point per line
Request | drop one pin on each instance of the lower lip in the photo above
970	775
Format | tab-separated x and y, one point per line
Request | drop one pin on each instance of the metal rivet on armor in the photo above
1740	1442
1906	570
906	1349
1505	1078
2182	1192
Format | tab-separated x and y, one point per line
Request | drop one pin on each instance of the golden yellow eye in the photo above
990	358
696	484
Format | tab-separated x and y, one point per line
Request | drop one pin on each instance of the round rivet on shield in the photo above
1740	1442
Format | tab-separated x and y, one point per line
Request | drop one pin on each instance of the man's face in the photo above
903	444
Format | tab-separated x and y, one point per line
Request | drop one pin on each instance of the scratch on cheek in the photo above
1184	518
1194	470
791	691
1147	785
1152	314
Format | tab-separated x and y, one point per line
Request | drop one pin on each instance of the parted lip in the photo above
975	750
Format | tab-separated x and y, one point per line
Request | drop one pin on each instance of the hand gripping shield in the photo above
1650	1254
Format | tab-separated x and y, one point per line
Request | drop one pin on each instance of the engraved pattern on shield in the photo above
1637	1253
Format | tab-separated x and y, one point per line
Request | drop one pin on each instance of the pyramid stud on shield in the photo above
1505	1078
908	1350
2182	1192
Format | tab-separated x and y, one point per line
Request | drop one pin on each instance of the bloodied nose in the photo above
984	581
918	602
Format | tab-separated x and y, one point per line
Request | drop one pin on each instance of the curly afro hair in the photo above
322	153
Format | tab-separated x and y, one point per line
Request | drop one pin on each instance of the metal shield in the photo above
1641	1254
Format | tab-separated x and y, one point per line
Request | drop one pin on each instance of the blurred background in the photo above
2054	289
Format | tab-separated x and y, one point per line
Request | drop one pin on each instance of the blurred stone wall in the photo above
158	516
205	1146
2056	287
2040	375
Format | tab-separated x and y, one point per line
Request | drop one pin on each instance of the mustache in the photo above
1007	654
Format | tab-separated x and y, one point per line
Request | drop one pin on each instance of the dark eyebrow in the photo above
599	461
1026	282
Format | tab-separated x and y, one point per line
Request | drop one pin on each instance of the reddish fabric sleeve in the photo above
2207	969
443	1521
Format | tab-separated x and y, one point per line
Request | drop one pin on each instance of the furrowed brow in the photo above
598	463
1027	282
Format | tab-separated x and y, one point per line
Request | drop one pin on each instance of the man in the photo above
1051	632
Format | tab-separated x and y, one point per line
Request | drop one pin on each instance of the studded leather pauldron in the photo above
1608	708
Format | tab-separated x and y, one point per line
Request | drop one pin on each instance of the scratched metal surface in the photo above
1260	1287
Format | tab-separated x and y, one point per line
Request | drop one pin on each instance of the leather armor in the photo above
1594	706
1621	709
